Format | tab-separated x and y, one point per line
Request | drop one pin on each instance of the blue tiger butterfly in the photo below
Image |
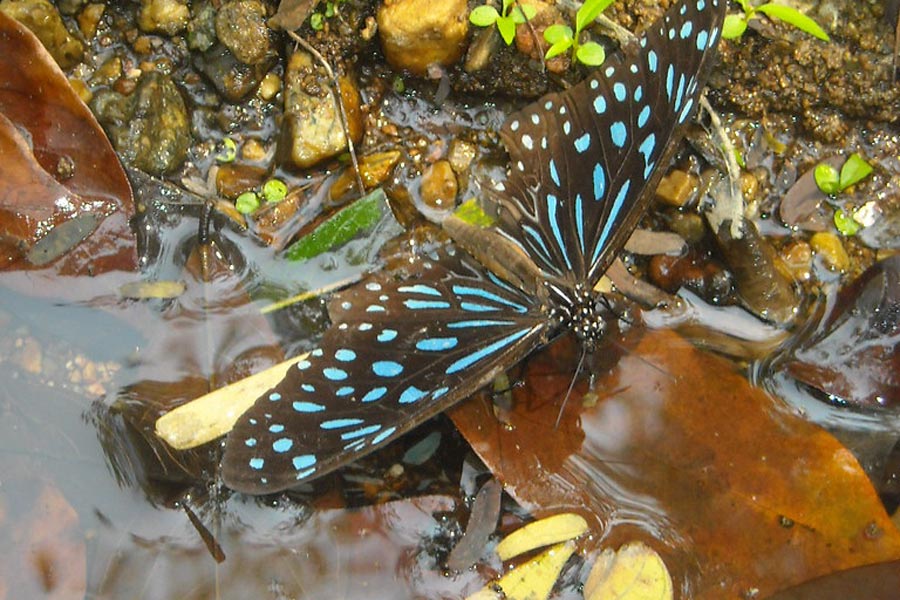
406	344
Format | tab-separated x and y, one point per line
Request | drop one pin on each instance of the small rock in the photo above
241	27
202	26
253	150
233	79
149	128
689	225
234	179
312	128
829	247
271	85
797	258
163	16
89	19
374	169
418	33
31	358
676	188
45	22
461	155
692	271
439	186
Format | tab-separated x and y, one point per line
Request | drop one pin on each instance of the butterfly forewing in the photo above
584	162
403	348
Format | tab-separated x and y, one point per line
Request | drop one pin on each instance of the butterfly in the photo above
408	343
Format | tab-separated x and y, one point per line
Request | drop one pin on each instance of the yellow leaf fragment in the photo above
558	528
141	290
635	572
534	579
213	415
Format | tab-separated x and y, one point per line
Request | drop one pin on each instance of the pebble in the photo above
439	186
676	188
416	34
828	245
797	258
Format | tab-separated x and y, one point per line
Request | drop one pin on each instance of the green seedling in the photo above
317	19
561	37
510	15
845	223
736	24
833	182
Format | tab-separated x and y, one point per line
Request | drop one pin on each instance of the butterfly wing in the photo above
402	348
584	161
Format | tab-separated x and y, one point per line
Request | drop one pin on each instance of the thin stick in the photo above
735	210
535	37
571	387
345	123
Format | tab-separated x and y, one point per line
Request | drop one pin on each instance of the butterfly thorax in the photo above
581	312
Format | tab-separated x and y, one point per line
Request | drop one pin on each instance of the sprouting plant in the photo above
510	15
561	37
736	24
833	182
317	19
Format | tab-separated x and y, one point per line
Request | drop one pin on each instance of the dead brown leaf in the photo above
736	493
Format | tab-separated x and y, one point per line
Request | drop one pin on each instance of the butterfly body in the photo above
408	343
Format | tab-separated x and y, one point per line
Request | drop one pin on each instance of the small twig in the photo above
621	34
735	199
345	123
534	36
896	51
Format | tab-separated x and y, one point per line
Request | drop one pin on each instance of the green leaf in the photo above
739	158
854	170
795	18
745	6
341	227
560	47
484	16
246	203
734	27
589	11
507	28
557	33
845	223
828	179
471	212
590	54
523	13
506	4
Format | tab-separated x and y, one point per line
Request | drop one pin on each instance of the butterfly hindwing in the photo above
402	348
583	162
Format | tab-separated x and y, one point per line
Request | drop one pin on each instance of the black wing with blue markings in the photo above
583	163
403	347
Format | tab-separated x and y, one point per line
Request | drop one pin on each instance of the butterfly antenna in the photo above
571	387
655	367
